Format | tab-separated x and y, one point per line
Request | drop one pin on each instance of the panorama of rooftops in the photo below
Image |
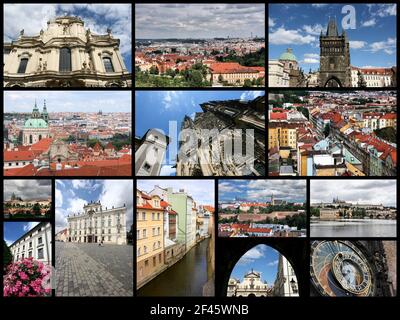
69	133
199	45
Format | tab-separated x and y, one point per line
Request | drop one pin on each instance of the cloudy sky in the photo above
162	109
260	258
361	191
14	230
72	195
298	26
202	191
68	101
261	190
98	17
27	189
157	21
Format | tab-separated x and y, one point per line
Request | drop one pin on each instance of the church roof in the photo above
288	55
35	123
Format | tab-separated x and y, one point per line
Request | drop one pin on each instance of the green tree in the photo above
154	70
7	256
36	209
247	83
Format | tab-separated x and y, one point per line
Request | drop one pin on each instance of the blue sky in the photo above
261	190
72	195
97	17
298	26
14	230
68	101
202	191
260	258
155	109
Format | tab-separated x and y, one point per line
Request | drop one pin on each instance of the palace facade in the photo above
65	55
36	243
251	286
98	224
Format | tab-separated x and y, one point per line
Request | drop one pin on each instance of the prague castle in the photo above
65	55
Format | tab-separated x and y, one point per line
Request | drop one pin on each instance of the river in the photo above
185	278
353	228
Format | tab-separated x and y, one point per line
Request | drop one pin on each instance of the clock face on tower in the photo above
339	269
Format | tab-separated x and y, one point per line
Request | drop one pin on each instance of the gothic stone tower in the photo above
335	70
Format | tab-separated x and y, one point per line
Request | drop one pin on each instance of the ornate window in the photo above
22	65
108	66
65	60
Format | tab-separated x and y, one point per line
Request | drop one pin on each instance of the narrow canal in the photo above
186	278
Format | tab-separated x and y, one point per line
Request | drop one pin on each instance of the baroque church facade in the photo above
65	55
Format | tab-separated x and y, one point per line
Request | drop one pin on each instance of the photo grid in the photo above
206	210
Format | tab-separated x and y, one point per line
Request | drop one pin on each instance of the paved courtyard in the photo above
86	269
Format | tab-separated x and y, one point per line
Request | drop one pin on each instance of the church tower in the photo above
335	69
45	115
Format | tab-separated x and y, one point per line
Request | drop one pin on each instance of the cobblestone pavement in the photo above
86	269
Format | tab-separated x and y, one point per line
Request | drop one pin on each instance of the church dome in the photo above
288	55
35	123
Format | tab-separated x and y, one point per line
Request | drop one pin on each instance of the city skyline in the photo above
27	189
262	259
72	195
362	191
261	190
68	101
201	21
298	26
97	17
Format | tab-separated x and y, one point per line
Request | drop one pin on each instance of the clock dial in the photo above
339	268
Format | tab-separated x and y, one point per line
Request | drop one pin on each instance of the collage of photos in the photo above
243	186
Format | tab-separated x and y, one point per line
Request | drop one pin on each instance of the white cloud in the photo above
29	226
357	44
319	5
369	23
388	46
283	36
250	95
59	198
257	252
167	170
271	22
273	263
385	10
311	60
8	242
314	30
170	98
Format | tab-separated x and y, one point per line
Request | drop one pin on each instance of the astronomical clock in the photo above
348	269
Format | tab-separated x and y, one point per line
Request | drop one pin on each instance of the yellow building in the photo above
150	235
282	135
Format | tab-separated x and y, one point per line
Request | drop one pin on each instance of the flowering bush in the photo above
27	278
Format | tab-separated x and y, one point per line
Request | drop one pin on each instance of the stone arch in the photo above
234	249
333	80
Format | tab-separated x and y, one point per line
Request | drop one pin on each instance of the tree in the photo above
170	72
196	78
36	209
247	83
154	70
7	255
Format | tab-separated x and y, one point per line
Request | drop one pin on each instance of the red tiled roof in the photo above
230	67
389	116
278	116
42	145
209	208
18	155
259	230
